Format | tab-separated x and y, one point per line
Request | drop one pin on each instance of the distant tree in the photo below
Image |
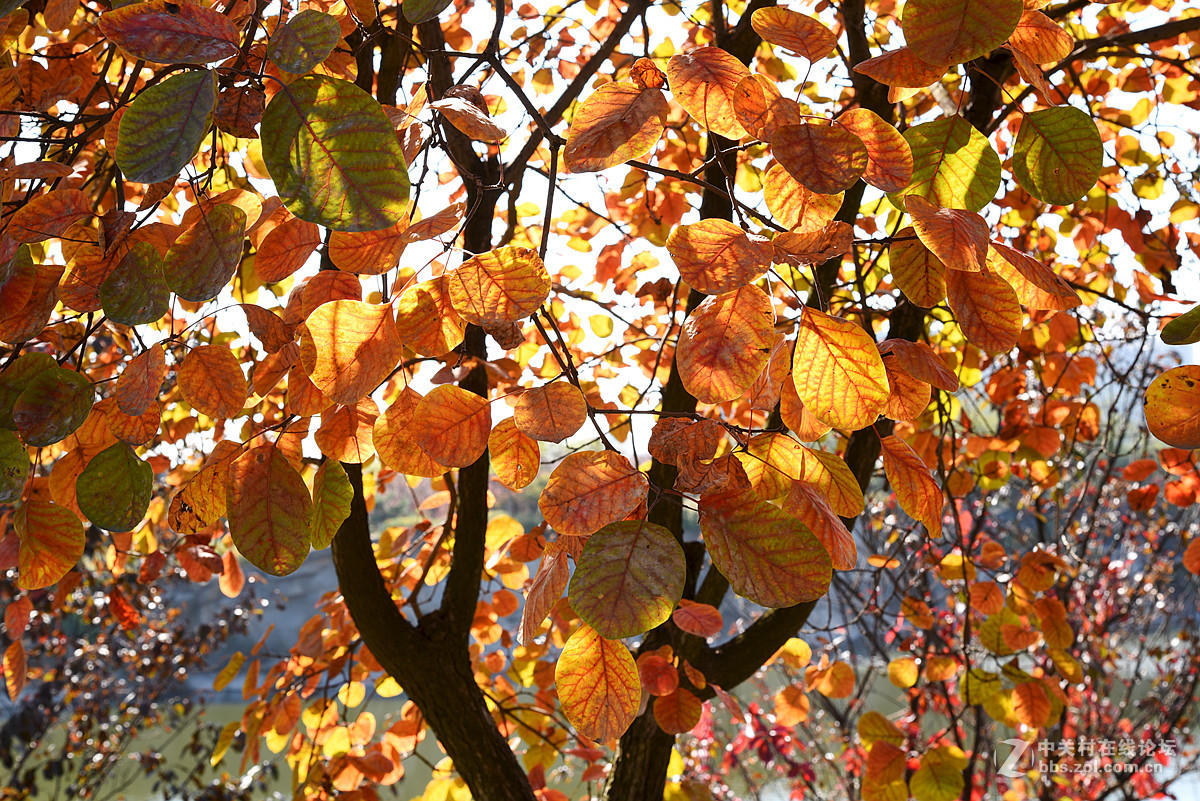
265	261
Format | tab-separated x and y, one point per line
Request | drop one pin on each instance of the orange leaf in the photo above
1173	407
794	205
452	425
1191	557
232	578
797	417
772	462
395	438
125	612
761	109
703	82
768	556
16	617
797	32
657	674
716	256
918	360
886	762
916	490
598	685
165	32
470	119
1139	470
837	371
369	252
832	241
589	490
52	541
48	216
515	457
286	249
15	669
347	433
202	260
211	381
725	344
139	383
901	68
909	397
269	509
678	712
349	348
543	593
956	31
1040	38
426	320
986	308
700	620
918	273
550	413
835	681
806	504
616	123
28	294
824	158
268	327
500	286
321	288
959	238
903	672
676	437
1031	704
1036	285
889	158
791	705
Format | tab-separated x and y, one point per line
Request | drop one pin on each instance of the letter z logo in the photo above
1009	766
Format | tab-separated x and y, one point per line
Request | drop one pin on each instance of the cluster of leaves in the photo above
857	260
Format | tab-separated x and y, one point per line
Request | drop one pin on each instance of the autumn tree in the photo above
263	263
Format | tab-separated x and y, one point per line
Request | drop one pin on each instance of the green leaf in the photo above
14	467
135	293
940	777
269	510
52	406
161	131
628	579
767	555
955	31
332	494
954	165
418	11
1183	330
333	155
14	380
304	41
205	257
114	490
1058	154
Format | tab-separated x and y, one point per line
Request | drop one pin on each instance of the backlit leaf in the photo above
500	286
269	510
368	252
426	320
955	31
140	381
16	669
916	489
703	82
986	309
825	158
678	712
136	292
52	406
716	256
836	239
761	109
332	494
674	439
545	590
349	348
304	41
114	490
1041	38
1058	154
838	373
551	413
515	457
797	32
918	273
49	215
268	328
205	257
452	425
470	119
954	165
697	619
1036	285
810	507
889	158
333	155
1183	330
958	238
940	777
1173	407
920	361
590	489
166	32
14	467
28	295
902	68
598	685
346	432
52	540
616	123
628	579
286	249
797	417
794	205
396	441
726	343
1031	704
830	474
161	131
212	382
768	556
418	11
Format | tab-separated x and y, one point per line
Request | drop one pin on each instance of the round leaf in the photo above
703	82
269	510
52	406
332	494
500	286
716	256
616	123
452	425
203	259
515	457
161	131
1173	407
550	413
1058	154
825	158
395	438
135	293
211	381
628	579
304	41
838	372
598	685
797	32
954	165
726	343
956	31
52	541
166	32
591	489
114	490
349	348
